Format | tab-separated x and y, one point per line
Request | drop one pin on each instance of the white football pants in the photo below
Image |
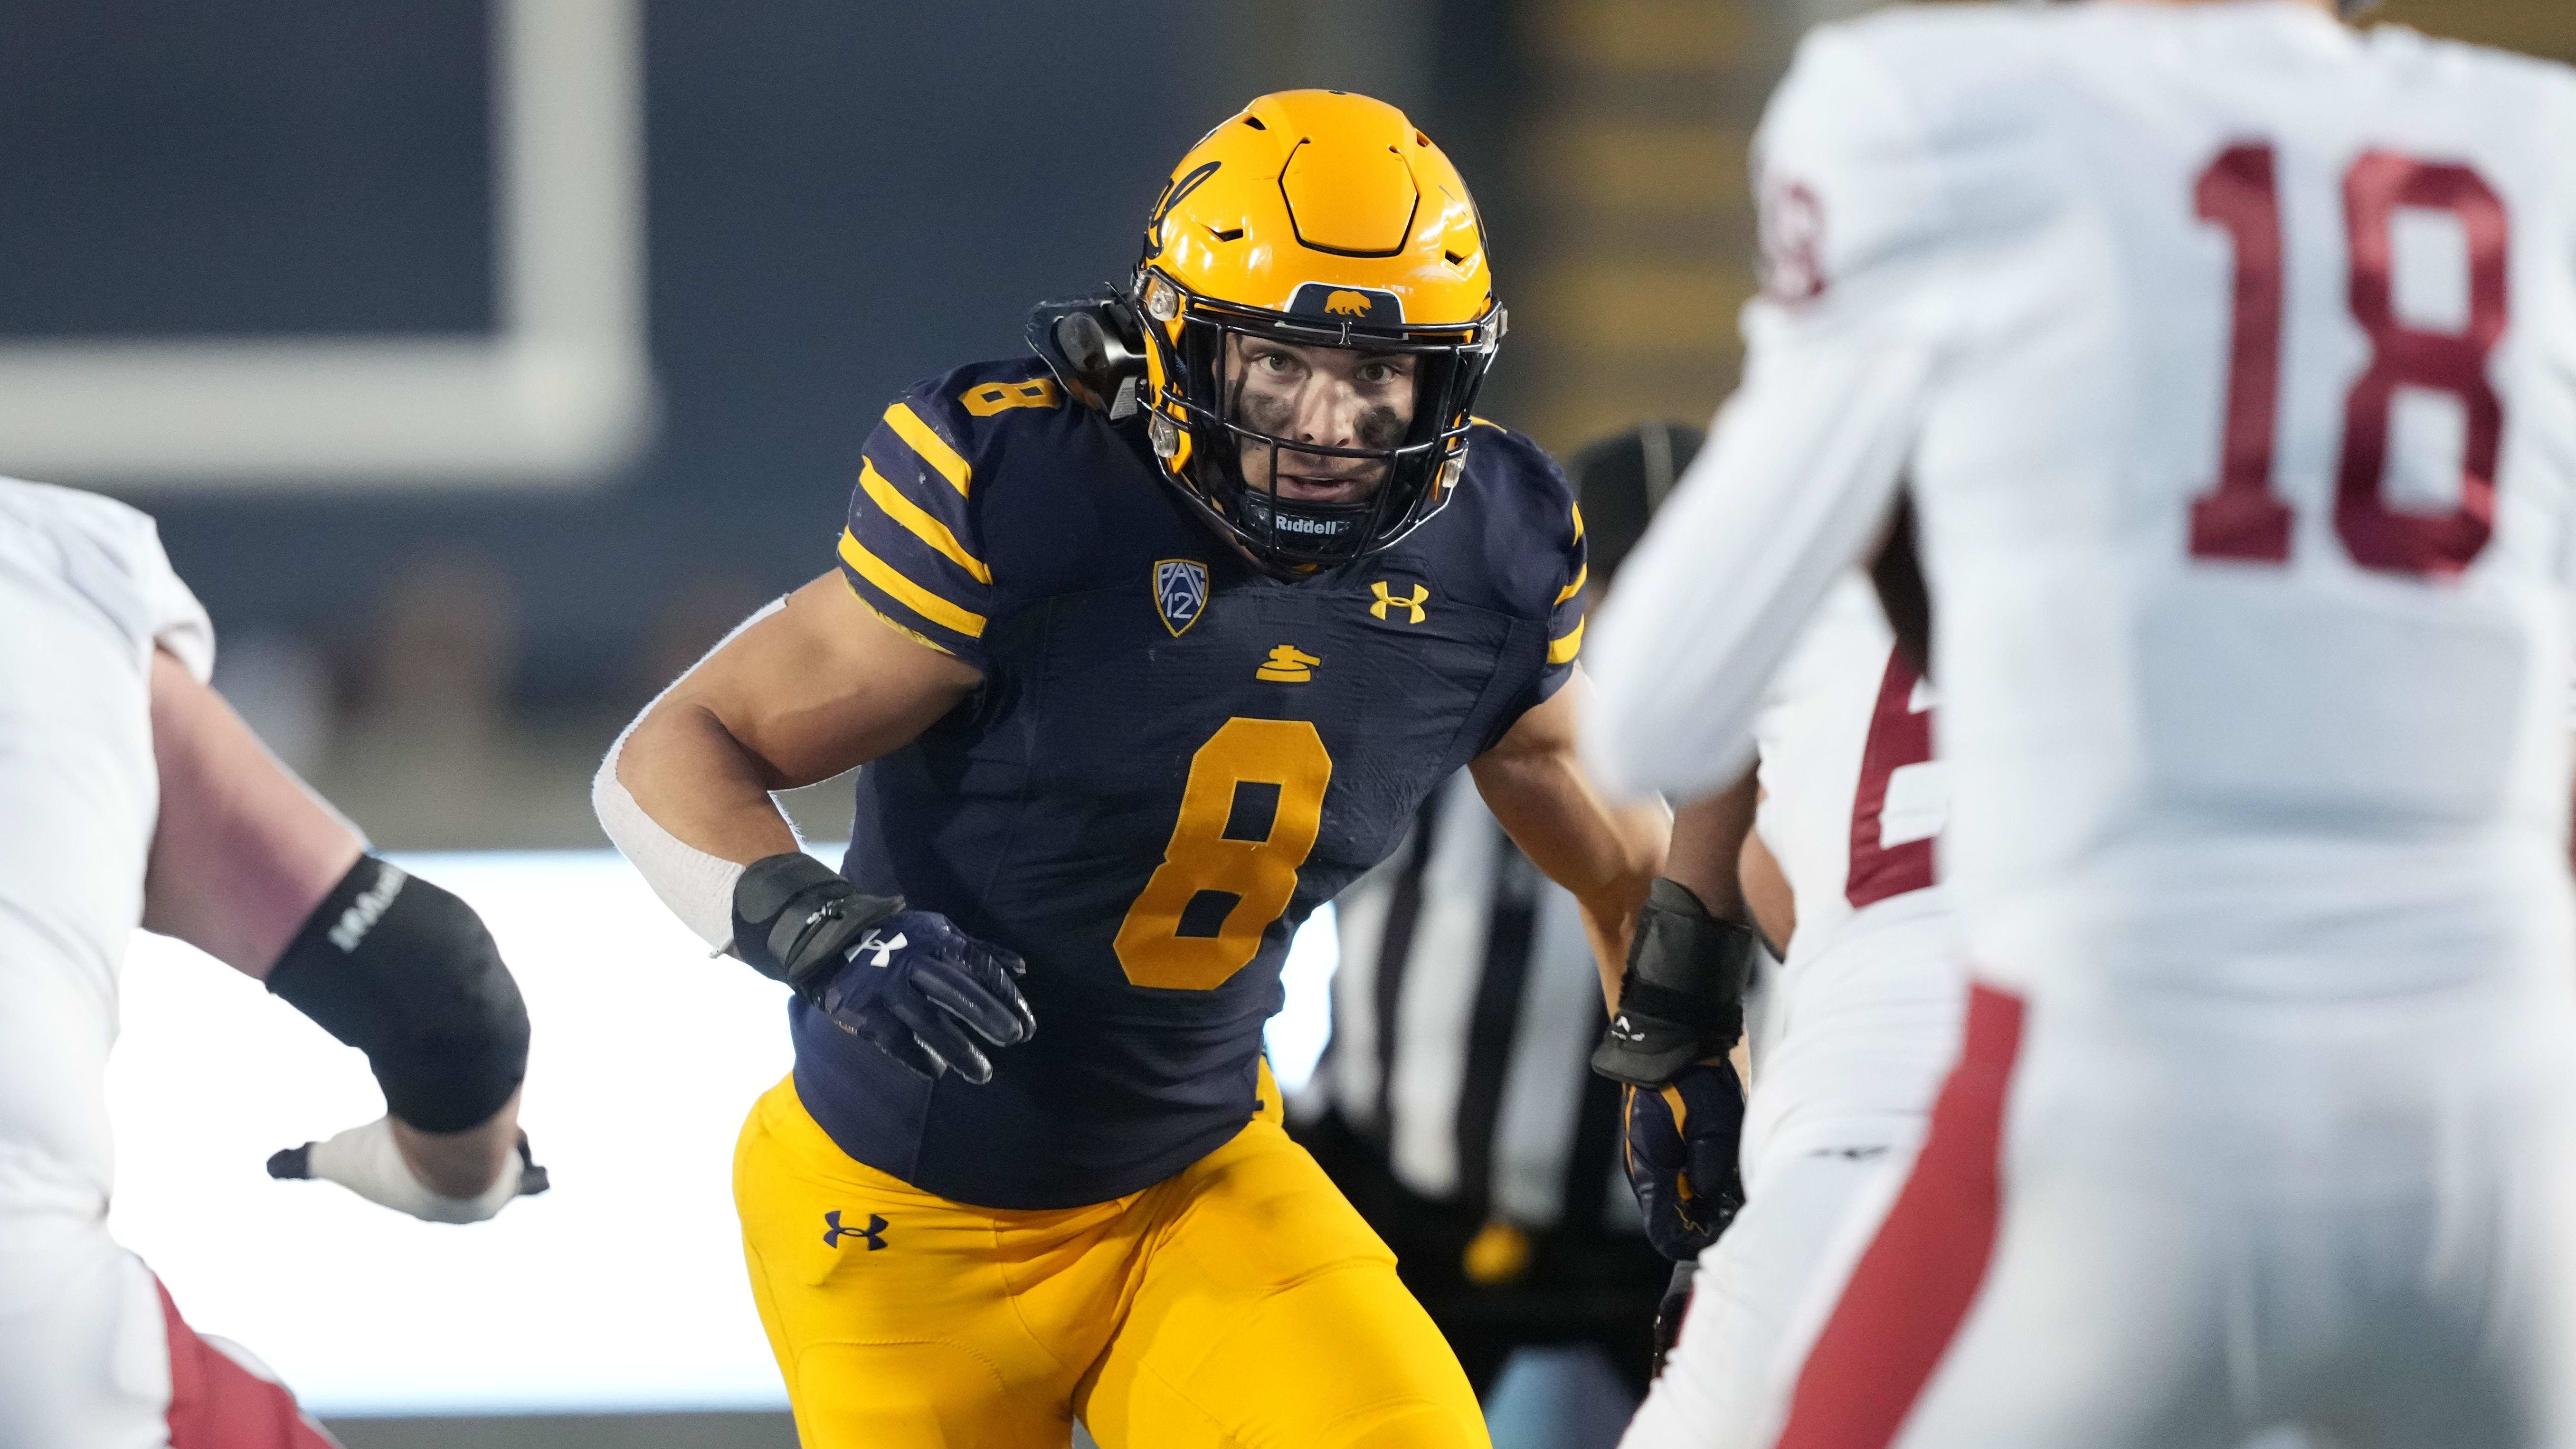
93	1355
1849	1050
2181	1220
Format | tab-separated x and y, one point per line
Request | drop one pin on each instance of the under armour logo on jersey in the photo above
1388	599
874	1232
875	940
1287	664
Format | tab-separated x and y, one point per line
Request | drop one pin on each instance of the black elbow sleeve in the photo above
405	972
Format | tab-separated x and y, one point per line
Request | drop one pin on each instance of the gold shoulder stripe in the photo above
891	622
918	522
1578	523
1572	589
913	596
1561	650
933	448
1477	422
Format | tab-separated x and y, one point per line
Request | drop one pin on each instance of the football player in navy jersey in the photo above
1149	643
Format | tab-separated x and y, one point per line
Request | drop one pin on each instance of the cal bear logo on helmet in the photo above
1355	304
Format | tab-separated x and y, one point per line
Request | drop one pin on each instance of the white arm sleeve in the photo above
698	887
1798	478
1805	460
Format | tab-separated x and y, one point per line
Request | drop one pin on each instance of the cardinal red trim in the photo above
1915	1283
215	1403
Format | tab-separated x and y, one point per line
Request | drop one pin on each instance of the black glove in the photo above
1670	1312
909	982
923	991
1681	999
1680	1151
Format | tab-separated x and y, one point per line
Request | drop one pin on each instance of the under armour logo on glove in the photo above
875	941
933	998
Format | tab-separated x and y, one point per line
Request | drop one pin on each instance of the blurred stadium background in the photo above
484	360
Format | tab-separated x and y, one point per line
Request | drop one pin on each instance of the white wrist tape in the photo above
367	1161
698	887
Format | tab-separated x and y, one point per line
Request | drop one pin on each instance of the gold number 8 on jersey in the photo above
1249	814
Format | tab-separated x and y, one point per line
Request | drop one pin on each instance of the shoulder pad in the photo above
952	422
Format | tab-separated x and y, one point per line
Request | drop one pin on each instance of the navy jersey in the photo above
1172	760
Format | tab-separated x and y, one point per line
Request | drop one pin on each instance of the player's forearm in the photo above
1610	902
241	850
689	807
1609	924
687	771
806	688
1605	855
1708	848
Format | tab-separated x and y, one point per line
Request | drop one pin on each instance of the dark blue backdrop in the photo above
843	197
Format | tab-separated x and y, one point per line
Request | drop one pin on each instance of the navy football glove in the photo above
908	981
1680	1155
924	992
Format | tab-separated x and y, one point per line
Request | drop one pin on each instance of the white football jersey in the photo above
86	594
2229	356
1852	1033
1852	798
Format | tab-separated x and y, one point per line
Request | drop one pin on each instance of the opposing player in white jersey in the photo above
133	795
1850	1037
2228	357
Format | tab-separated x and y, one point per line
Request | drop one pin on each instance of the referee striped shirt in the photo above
1465	1009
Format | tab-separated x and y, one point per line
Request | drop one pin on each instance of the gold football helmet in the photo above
1313	218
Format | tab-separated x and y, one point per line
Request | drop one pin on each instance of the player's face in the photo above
1338	397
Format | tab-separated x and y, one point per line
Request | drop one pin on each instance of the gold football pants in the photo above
1240	1302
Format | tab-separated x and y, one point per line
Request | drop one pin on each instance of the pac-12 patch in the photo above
1180	592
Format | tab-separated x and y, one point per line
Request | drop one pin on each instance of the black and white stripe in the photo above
1464	1008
